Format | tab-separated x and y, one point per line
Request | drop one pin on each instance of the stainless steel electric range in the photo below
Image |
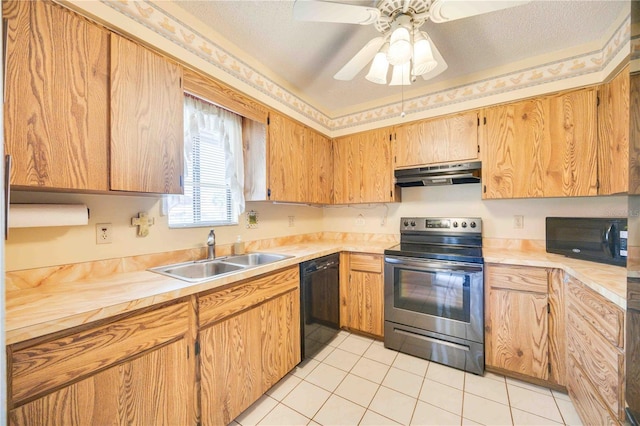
434	292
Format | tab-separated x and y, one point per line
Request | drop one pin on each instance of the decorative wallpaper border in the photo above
152	16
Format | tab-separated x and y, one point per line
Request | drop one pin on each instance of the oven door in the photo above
443	297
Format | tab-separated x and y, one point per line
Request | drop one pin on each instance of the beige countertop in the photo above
607	280
34	312
65	303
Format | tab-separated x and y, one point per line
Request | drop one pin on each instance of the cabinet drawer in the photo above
39	369
215	306
517	278
601	362
366	262
603	315
586	398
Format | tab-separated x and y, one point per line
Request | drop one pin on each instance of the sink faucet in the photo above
211	245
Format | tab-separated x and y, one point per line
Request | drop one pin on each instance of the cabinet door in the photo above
347	174
231	378
321	179
147	135
289	161
440	140
156	388
613	135
280	330
364	295
512	163
56	105
543	147
570	157
516	320
362	168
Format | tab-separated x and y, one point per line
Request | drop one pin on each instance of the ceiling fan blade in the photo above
360	60
440	68
448	10
322	11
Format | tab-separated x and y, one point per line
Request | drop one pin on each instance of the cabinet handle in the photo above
7	193
5	26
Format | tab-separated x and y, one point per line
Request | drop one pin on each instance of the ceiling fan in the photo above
401	44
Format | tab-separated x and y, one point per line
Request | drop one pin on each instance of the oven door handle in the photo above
438	266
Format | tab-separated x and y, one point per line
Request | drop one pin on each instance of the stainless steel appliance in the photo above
448	174
434	292
319	302
602	240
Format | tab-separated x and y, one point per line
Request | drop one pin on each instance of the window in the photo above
214	175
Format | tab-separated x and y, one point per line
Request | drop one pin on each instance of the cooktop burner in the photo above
450	239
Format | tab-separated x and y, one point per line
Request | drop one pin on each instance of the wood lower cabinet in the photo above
56	111
595	347
542	147
363	171
147	134
137	369
524	335
249	339
438	140
362	293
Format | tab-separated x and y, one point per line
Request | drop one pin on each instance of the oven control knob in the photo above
472	224
406	223
455	224
464	224
413	223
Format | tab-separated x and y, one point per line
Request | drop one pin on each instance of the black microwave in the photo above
601	240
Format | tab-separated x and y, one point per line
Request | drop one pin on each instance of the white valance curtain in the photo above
202	118
213	167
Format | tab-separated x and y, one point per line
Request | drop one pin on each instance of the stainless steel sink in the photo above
255	259
202	270
198	271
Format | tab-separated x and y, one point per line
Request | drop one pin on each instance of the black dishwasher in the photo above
319	302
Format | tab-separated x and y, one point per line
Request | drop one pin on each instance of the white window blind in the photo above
207	199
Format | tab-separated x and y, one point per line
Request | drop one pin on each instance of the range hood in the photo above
449	174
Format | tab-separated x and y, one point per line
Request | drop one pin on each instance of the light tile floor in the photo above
354	380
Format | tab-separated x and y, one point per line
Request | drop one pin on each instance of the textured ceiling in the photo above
308	54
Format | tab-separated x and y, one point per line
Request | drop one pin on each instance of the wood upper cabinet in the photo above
249	339
542	147
300	168
362	293
147	135
288	160
525	322
103	374
363	172
321	179
56	119
613	135
438	140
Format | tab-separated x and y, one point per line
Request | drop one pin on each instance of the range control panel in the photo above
441	224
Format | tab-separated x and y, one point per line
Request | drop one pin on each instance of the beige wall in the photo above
36	247
465	200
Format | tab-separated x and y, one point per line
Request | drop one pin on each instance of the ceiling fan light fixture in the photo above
400	49
423	60
379	67
401	75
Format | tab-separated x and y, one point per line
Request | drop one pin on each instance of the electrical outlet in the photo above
292	221
360	220
518	221
103	233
